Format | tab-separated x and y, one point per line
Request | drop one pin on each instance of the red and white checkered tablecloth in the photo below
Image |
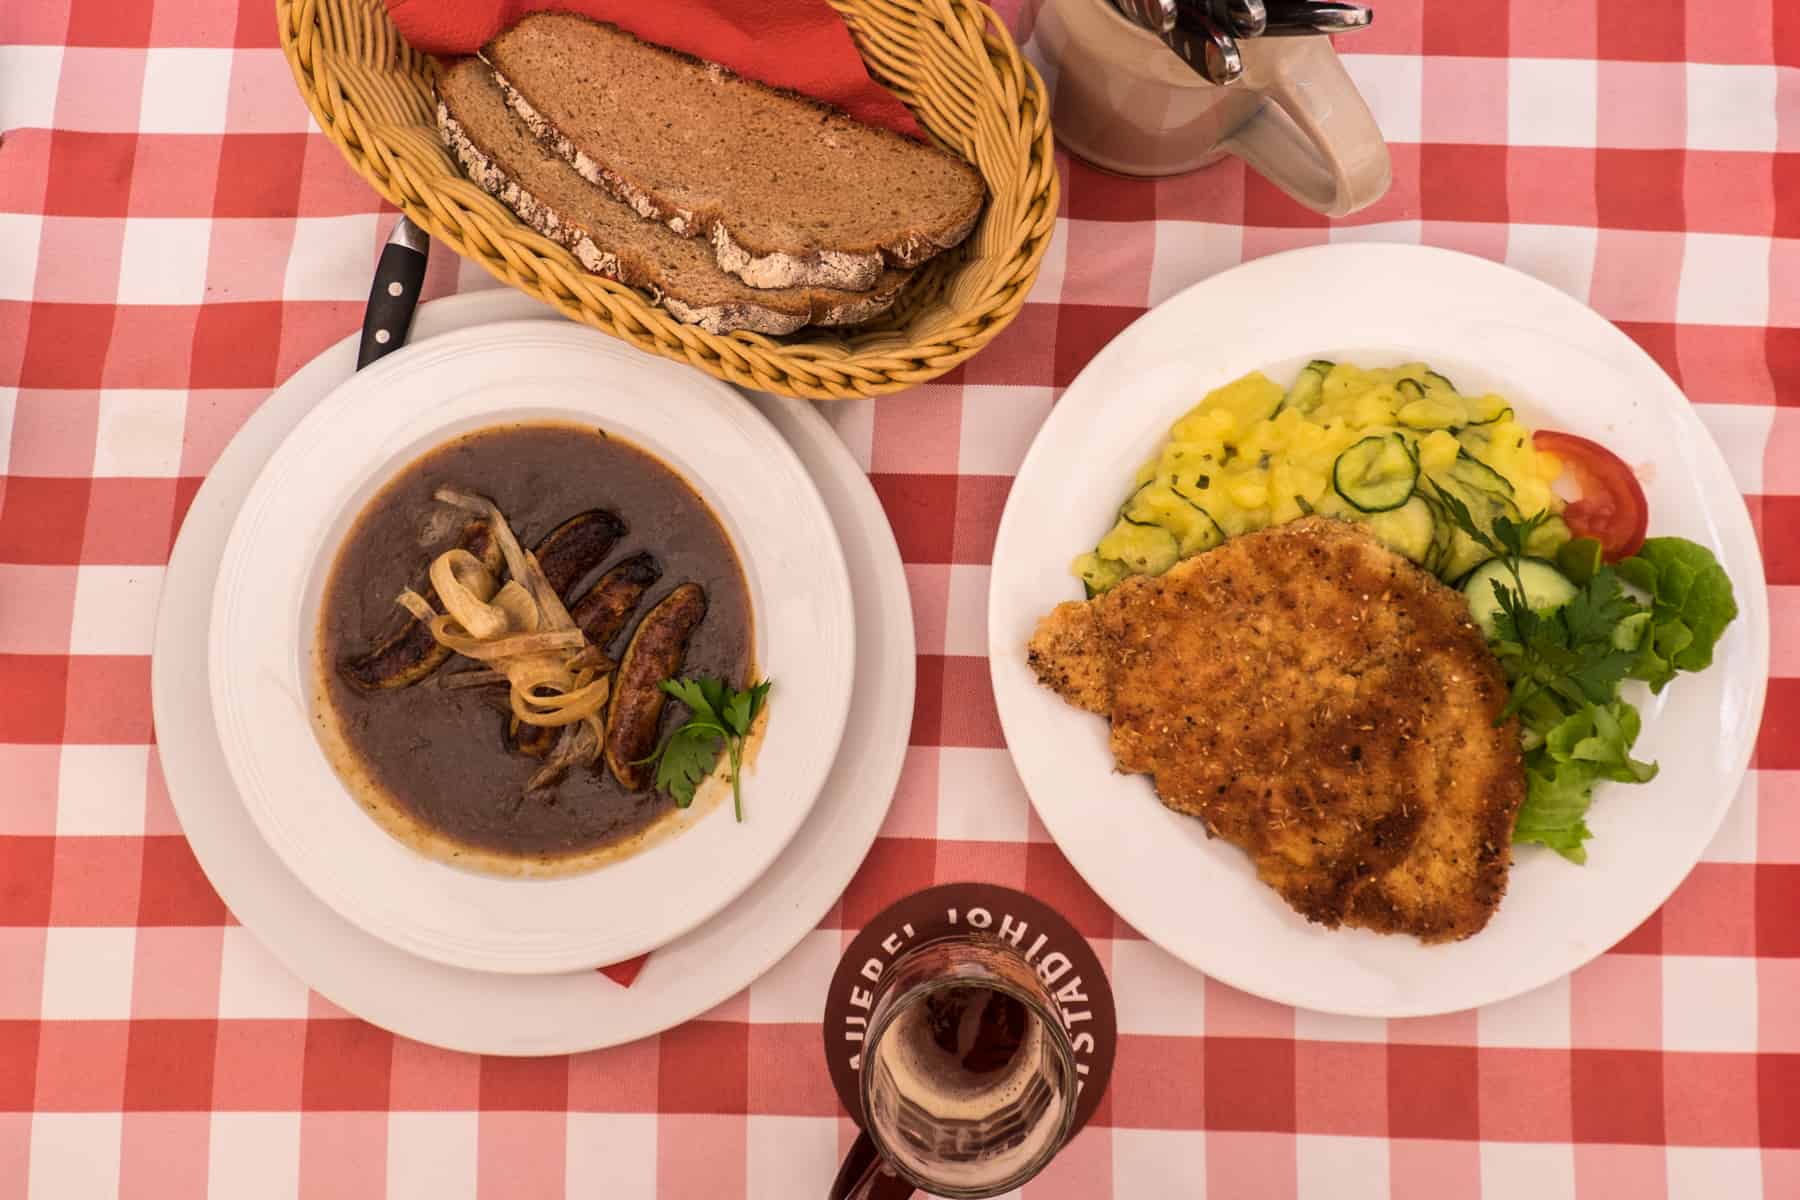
176	238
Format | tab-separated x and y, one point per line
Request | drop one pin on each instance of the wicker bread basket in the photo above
950	61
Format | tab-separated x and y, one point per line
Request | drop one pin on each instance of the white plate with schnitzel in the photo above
1494	330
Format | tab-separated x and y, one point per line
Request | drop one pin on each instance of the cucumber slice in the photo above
1165	506
1432	413
1546	589
1143	549
1476	440
1436	380
1309	388
1442	534
1472	472
1488	410
1482	499
1377	474
1409	529
1465	555
1137	491
1098	574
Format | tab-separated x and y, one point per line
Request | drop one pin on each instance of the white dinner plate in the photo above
1488	328
280	551
486	1013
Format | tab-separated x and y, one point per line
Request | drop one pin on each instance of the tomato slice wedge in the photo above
1612	508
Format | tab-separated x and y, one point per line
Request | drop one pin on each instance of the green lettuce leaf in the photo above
1691	604
1585	747
1557	795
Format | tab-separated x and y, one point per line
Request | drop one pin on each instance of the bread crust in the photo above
853	267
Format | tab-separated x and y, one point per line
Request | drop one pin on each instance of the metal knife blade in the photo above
399	276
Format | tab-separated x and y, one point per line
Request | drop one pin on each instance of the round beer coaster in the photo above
1060	955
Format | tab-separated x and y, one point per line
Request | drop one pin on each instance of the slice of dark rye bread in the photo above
788	190
507	162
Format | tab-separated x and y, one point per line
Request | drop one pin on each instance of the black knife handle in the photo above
399	276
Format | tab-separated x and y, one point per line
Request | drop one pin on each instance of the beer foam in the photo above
935	1079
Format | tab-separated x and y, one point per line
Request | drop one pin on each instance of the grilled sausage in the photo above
655	653
411	653
577	546
602	612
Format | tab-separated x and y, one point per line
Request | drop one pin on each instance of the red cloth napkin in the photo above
798	44
625	973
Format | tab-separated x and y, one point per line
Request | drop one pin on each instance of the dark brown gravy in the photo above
438	754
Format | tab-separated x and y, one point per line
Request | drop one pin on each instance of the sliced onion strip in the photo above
464	586
567	708
512	645
578	744
522	633
521	564
415	604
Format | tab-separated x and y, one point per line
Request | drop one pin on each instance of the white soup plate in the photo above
281	548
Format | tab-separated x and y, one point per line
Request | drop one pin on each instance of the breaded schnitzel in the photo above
1320	702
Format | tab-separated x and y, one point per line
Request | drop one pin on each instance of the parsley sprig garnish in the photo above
1567	656
716	713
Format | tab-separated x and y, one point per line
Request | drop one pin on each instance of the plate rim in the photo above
298	930
1751	588
561	946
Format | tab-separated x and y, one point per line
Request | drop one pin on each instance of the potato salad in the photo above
1379	446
